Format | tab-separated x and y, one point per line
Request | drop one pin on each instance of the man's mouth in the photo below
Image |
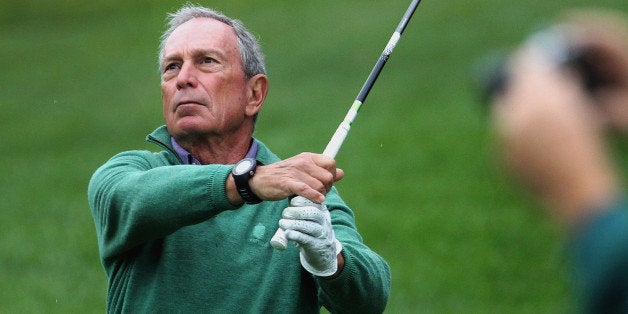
188	102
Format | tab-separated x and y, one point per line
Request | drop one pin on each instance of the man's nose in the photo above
187	76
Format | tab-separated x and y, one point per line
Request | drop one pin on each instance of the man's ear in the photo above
257	88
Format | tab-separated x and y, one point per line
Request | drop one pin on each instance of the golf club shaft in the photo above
343	129
279	240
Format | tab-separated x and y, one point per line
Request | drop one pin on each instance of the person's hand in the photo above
307	174
309	225
552	137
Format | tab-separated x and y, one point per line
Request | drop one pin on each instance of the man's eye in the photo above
209	60
170	67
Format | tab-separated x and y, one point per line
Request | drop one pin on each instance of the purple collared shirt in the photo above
188	159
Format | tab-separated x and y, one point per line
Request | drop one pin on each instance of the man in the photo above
551	120
185	230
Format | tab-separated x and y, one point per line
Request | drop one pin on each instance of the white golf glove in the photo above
309	225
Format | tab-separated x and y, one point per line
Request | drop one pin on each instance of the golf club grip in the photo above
279	241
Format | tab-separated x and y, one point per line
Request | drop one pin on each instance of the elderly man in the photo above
185	230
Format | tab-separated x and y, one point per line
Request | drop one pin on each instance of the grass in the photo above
80	84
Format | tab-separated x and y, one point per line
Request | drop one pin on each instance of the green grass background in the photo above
80	83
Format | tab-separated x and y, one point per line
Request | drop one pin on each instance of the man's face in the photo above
202	83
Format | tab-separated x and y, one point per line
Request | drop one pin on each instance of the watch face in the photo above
243	166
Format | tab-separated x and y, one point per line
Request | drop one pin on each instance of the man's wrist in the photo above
231	191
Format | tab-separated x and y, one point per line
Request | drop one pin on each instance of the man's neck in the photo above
216	150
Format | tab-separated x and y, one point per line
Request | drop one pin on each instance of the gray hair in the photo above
250	51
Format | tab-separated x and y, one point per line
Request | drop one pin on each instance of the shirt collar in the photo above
188	159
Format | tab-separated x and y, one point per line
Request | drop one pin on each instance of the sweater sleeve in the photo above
134	198
600	252
363	285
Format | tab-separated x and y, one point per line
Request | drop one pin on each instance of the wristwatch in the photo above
242	173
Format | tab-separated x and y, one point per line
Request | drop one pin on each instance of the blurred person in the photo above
552	121
184	230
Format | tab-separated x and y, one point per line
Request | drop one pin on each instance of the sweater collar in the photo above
162	138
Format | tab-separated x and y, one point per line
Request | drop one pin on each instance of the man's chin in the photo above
187	126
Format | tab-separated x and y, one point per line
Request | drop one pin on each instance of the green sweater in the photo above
171	242
600	251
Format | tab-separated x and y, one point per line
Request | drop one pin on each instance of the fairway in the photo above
81	83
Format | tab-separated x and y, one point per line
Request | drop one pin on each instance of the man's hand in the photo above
309	225
307	174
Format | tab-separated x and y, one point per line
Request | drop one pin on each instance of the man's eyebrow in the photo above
196	53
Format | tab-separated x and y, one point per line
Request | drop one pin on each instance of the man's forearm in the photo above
132	205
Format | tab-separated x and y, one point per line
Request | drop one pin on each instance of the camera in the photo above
557	44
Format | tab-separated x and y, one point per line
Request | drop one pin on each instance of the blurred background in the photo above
80	84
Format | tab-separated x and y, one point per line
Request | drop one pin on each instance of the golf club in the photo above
279	240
